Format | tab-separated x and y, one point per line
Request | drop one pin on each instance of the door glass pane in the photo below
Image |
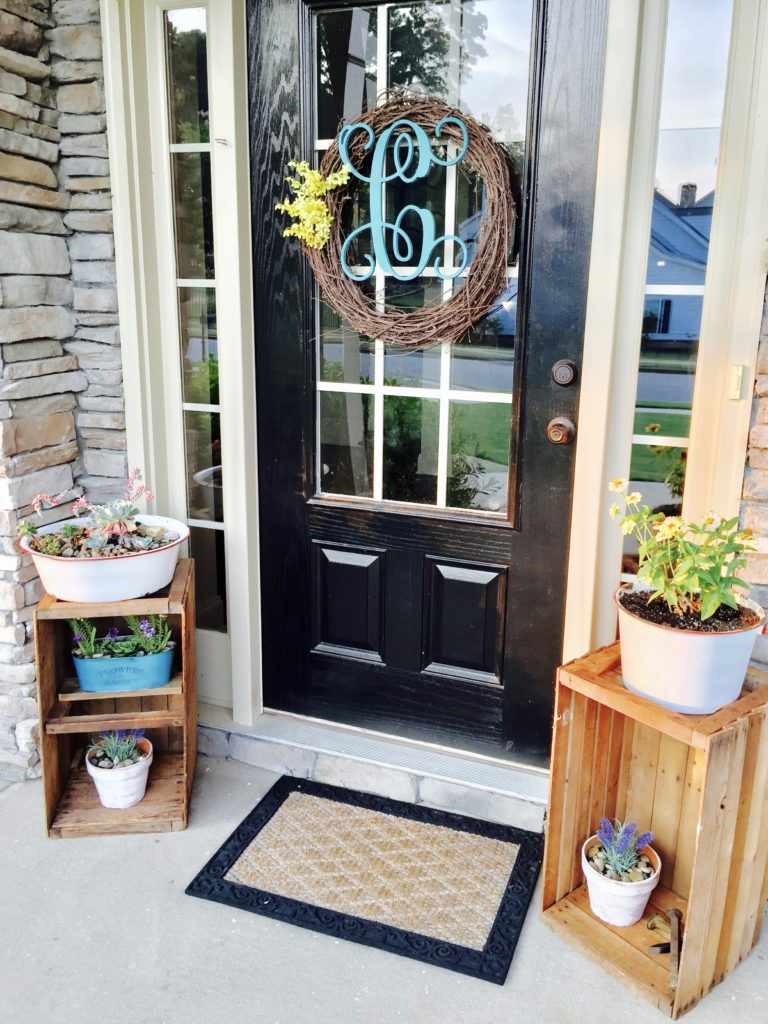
346	67
199	345
346	356
207	549
346	444
202	431
420	446
410	449
187	75
193	217
479	471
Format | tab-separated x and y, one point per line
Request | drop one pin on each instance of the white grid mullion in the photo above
674	289
382	21
189	147
195	282
660	441
199	407
205	524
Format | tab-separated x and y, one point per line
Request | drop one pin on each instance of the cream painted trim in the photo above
736	273
133	69
624	201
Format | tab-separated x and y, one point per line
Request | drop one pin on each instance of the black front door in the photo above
415	507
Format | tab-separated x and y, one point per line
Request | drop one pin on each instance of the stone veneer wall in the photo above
62	425
754	506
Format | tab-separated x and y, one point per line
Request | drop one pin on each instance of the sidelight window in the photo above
691	114
429	427
189	155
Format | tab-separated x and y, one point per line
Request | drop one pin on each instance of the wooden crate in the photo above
69	717
700	782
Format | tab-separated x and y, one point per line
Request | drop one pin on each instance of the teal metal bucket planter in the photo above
100	675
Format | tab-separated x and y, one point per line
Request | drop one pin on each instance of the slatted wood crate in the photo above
700	782
69	717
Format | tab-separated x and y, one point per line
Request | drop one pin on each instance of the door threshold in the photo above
356	759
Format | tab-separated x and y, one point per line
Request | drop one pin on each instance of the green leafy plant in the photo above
672	460
148	635
118	746
692	567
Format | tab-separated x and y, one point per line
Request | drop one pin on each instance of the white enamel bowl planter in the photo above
103	579
618	903
685	670
122	787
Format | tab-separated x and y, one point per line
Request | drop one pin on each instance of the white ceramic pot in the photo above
695	673
120	578
618	903
122	787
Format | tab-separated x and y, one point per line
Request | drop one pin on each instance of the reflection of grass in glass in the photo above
487	422
646	463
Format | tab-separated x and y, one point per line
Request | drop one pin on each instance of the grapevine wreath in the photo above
485	279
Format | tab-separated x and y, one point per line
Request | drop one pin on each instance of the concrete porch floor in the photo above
96	929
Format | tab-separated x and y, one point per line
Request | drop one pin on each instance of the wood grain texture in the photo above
66	716
708	805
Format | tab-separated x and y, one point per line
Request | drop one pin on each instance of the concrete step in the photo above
479	787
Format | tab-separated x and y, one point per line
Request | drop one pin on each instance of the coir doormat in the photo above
438	887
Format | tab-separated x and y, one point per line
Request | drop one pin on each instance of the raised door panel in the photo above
464	618
347	602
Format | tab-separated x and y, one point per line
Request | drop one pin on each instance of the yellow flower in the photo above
617	485
309	209
669	528
710	518
747	533
627	526
634	498
614	510
653	428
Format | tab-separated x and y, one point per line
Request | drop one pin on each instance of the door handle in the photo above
561	430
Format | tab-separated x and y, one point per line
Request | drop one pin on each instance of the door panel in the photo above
414	542
464	618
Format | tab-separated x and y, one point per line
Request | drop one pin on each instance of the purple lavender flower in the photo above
643	840
624	842
113	634
606	833
146	628
78	638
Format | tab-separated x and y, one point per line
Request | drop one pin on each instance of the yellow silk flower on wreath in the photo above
309	210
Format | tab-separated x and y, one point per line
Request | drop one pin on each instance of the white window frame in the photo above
733	299
134	73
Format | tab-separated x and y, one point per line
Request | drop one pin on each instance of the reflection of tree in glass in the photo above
188	84
418	48
406	420
336	31
420	40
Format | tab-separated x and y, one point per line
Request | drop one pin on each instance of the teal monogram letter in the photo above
412	157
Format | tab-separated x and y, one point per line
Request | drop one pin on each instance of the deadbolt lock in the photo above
564	372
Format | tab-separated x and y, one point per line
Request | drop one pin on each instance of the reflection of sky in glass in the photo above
698	36
188	19
504	73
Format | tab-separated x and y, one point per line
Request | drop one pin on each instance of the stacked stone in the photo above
77	72
61	408
754	506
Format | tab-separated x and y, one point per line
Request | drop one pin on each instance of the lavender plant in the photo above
151	633
622	844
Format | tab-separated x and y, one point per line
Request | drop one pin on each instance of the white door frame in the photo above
134	71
